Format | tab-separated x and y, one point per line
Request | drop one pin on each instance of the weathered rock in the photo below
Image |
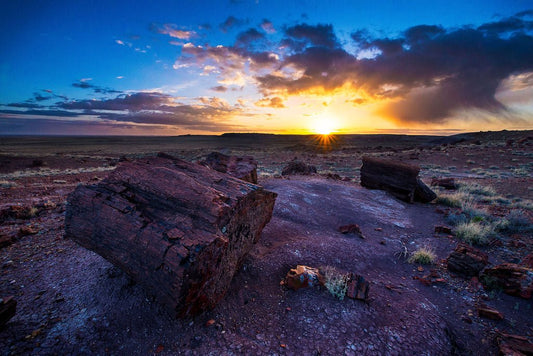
28	230
399	179
180	229
527	261
17	212
8	309
514	345
441	229
489	313
6	240
351	229
297	167
358	287
303	277
513	279
244	168
446	183
467	260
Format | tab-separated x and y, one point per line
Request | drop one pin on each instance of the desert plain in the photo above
72	301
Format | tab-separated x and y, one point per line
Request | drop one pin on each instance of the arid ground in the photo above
72	301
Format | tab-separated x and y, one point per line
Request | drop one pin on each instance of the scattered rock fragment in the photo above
8	309
213	221
489	313
514	345
467	260
28	230
6	240
399	179
303	277
351	229
446	183
441	229
513	279
527	261
244	168
357	287
298	167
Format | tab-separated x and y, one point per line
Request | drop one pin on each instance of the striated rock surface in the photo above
303	277
8	309
180	229
467	260
244	168
399	179
513	279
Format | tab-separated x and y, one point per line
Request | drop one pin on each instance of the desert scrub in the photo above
473	232
477	189
335	282
424	256
454	200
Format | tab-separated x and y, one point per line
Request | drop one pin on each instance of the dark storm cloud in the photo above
247	37
232	22
134	102
430	71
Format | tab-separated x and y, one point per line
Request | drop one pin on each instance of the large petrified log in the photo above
244	168
178	228
400	179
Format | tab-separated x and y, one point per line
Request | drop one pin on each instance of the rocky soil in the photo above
72	301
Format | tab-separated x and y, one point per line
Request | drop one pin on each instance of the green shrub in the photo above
424	255
335	282
474	233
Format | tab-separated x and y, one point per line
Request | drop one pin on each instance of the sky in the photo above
287	67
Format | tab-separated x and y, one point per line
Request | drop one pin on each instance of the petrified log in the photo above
244	168
514	345
400	179
303	277
446	183
180	229
511	278
351	229
357	287
297	167
8	309
487	312
467	260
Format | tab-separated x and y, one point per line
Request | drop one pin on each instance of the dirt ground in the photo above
72	301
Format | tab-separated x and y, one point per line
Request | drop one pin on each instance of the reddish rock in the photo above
303	277
27	230
527	261
244	168
514	345
489	313
513	279
441	229
467	260
351	229
17	212
297	167
180	229
8	309
358	287
446	183
6	240
399	179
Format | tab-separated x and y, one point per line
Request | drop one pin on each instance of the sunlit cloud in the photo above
268	27
173	31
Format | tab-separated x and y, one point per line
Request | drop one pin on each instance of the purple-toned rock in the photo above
513	279
399	179
353	229
298	167
489	313
514	345
467	260
180	229
303	277
244	168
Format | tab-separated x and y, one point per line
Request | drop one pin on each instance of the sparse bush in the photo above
335	282
454	200
517	221
424	255
477	189
474	233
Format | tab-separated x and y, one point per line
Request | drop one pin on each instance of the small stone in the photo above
302	277
351	229
210	322
489	313
441	229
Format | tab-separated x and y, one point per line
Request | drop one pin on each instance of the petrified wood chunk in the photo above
446	183
297	167
244	168
178	228
511	278
400	179
467	260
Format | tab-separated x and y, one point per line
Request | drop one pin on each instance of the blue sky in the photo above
178	67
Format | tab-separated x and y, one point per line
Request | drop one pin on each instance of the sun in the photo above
324	125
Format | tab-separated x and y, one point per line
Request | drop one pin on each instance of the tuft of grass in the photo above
424	255
335	282
474	233
515	222
454	200
477	189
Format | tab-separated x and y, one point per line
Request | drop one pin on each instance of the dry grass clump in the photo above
424	255
473	232
335	282
477	189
